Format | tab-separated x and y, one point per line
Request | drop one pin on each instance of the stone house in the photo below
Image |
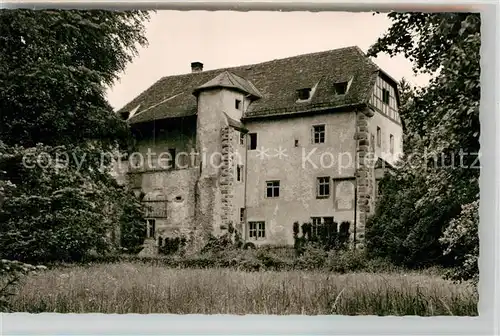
261	146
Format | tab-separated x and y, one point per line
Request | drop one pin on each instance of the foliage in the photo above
54	212
54	67
439	170
461	240
11	273
59	134
171	245
132	224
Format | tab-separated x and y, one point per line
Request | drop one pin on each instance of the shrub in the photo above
313	257
56	213
461	240
11	273
132	225
342	261
171	245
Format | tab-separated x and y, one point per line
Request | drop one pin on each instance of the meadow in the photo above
136	287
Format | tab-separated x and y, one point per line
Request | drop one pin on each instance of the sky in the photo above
225	39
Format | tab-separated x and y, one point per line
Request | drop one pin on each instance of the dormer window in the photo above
124	115
340	88
237	104
304	94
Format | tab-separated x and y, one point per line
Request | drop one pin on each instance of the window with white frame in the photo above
257	230
318	134
272	189
319	223
323	187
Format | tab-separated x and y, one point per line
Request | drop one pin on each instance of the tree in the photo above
57	131
442	135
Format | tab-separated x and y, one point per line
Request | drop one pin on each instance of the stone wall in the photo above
365	177
226	180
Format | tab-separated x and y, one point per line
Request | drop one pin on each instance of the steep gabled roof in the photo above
276	82
231	81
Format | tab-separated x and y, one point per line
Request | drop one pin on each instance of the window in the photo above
321	225
272	189
304	94
242	214
124	115
242	138
385	96
391	143
257	230
253	141
318	134
171	161
237	104
340	88
296	143
315	227
150	228
372	141
239	173
379	137
323	187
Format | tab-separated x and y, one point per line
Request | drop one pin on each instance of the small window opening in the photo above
385	96
340	88
239	173
242	138
296	143
242	215
304	94
124	115
391	143
253	141
379	137
178	198
237	104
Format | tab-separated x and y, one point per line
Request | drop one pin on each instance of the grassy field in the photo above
143	288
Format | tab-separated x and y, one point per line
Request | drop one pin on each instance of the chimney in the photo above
196	67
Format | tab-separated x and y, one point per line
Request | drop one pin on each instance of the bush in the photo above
57	213
461	240
132	225
171	245
343	261
11	273
312	257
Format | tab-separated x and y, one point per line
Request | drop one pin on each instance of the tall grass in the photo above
143	288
